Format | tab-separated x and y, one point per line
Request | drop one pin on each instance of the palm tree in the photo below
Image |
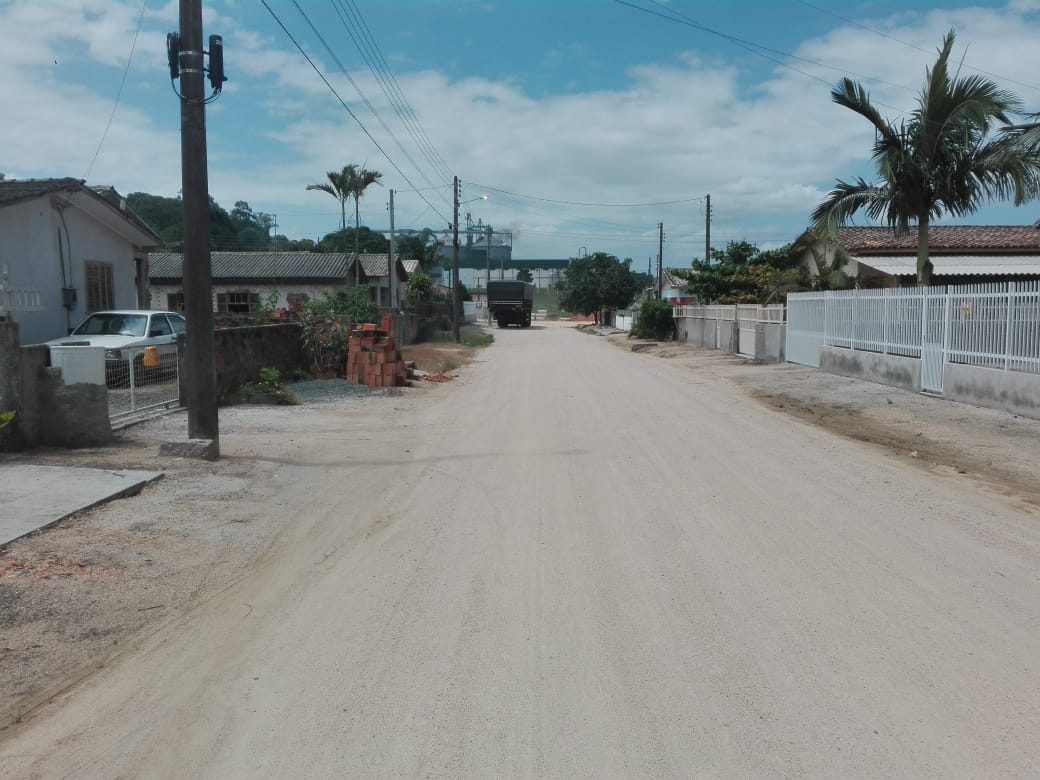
351	182
358	180
943	160
338	186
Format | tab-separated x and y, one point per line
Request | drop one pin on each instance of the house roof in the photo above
117	201
315	266
17	190
671	281
376	265
942	238
14	190
957	265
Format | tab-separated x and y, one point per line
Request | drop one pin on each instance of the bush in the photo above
326	325
654	321
420	288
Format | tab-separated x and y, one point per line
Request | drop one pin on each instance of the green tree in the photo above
596	282
365	241
252	228
242	229
943	161
423	247
743	273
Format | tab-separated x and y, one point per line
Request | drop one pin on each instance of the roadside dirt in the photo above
997	448
73	597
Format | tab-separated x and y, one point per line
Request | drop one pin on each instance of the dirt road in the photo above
585	563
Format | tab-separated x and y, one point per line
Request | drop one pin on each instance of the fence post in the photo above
947	314
826	320
884	325
1010	324
855	306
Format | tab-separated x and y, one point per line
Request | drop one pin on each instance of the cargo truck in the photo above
510	302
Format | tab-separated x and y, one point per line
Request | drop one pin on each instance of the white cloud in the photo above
679	128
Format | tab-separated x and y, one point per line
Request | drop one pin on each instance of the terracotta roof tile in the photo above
942	238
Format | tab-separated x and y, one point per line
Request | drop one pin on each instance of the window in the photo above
238	302
159	326
175	301
101	291
295	301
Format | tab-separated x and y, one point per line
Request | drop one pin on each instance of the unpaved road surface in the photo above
579	562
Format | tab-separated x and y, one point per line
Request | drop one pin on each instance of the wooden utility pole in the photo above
488	264
456	299
391	275
201	380
660	259
707	228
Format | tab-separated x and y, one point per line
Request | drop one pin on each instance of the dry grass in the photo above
439	358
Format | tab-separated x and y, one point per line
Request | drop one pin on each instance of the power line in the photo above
119	92
358	89
346	108
754	48
579	203
377	64
909	45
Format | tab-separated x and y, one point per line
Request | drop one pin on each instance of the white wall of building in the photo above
30	233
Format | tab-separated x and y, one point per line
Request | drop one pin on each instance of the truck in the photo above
510	302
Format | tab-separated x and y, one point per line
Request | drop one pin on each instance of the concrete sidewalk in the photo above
34	497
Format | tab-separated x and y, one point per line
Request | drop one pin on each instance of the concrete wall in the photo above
770	341
240	353
48	412
1011	391
892	370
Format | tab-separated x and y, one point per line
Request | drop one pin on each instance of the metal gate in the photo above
142	383
934	315
747	317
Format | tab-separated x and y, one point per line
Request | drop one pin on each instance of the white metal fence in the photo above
989	325
745	315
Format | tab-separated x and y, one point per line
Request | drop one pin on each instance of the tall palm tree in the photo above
358	180
942	160
338	186
343	185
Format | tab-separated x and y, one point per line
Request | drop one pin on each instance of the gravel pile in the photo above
320	390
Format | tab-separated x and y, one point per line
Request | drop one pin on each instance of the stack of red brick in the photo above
373	359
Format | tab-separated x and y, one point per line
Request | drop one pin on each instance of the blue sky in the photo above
540	105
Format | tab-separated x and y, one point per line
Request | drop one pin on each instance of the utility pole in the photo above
488	263
456	300
707	228
393	246
201	380
660	259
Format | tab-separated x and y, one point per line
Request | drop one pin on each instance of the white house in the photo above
243	280
960	254
66	250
